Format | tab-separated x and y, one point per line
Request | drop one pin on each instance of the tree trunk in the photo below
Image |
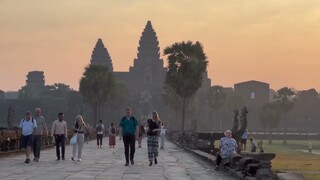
285	128
182	120
95	113
176	119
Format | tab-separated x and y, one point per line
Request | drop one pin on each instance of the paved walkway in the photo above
106	163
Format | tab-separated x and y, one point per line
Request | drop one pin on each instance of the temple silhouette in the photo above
145	79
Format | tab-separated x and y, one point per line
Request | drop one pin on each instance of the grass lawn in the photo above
290	157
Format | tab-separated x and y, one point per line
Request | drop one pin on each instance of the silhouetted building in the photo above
255	94
35	79
145	79
100	55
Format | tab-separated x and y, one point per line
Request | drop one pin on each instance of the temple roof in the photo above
100	55
148	45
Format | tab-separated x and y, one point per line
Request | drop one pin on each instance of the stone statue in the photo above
237	130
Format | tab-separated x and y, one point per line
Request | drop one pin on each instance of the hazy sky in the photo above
274	41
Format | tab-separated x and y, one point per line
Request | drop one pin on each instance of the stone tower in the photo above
101	56
148	66
35	79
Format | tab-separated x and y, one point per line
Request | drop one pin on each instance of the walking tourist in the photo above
153	138
78	127
37	140
100	130
128	130
87	133
112	136
243	141
228	146
141	133
28	126
162	135
60	133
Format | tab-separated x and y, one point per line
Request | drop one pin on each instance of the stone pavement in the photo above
106	163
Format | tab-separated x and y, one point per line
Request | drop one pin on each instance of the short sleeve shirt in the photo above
27	126
244	135
227	146
129	125
41	124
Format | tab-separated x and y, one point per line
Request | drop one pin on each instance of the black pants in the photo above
37	142
99	139
219	159
129	141
60	139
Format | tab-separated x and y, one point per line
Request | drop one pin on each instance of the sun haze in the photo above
269	40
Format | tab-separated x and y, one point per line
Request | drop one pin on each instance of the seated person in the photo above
253	145
228	146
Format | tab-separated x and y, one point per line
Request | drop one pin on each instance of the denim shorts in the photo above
26	141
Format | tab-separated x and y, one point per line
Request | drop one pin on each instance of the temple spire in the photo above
148	50
101	56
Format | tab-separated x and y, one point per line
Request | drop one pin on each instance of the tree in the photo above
216	100
171	99
186	65
270	117
285	99
96	87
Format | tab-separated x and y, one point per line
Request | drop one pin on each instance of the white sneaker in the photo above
79	159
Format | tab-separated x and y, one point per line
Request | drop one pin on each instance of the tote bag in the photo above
73	140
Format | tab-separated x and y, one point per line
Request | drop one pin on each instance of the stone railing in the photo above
243	166
10	140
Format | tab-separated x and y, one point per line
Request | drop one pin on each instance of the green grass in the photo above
290	158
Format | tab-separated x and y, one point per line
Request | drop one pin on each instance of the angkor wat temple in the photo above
145	79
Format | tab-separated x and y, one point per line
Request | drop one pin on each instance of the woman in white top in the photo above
78	127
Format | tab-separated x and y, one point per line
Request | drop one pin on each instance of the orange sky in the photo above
267	40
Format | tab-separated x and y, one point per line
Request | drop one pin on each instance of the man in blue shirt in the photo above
129	131
28	127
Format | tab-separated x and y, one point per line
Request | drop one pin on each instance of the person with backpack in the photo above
112	136
100	130
28	127
128	128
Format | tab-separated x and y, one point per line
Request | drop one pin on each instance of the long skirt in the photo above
112	140
153	145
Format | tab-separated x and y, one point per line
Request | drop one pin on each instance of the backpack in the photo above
32	120
99	128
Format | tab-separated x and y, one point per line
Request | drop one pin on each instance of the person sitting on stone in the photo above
228	146
253	145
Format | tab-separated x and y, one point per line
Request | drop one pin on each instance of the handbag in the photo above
73	140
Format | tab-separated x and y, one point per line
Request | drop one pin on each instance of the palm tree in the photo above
216	100
285	98
186	65
97	86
